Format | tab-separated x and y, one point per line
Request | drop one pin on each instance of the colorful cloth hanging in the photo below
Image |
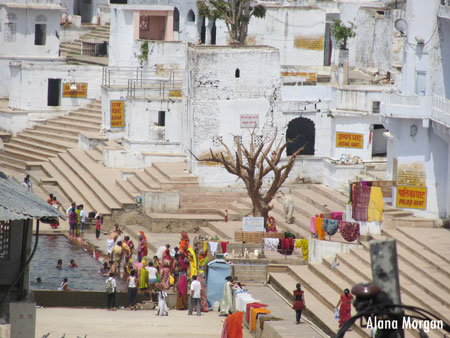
254	315
312	225
361	198
349	231
249	309
337	215
232	327
319	228
287	246
375	208
330	226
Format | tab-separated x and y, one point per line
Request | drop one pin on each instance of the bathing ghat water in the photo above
84	278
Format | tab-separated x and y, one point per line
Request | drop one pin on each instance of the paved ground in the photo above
278	307
125	324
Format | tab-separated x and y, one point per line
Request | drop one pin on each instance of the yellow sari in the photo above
193	261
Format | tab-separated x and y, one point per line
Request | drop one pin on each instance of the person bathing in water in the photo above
73	264
59	264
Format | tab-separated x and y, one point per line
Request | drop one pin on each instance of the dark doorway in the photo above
327	45
203	32
302	133
162	118
54	92
176	20
379	142
213	33
40	33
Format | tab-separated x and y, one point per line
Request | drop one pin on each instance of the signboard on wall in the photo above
80	92
411	197
311	43
412	174
117	114
253	224
249	121
349	140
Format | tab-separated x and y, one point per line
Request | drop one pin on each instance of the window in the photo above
10	33
216	141
420	82
40	33
5	240
257	140
191	16
375	107
237	73
161	118
176	20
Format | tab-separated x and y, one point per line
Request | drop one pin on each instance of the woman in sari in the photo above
142	247
182	299
346	307
203	302
193	262
165	275
183	264
184	243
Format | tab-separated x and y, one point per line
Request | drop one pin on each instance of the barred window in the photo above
216	141
257	140
5	240
238	139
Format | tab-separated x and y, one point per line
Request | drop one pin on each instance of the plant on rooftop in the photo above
342	33
235	13
144	53
252	164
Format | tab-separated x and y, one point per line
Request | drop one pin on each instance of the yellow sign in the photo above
117	114
81	90
411	197
303	42
175	93
349	140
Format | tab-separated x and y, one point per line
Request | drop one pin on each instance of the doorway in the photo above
54	92
379	142
301	132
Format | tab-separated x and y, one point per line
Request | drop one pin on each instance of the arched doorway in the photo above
176	20
302	132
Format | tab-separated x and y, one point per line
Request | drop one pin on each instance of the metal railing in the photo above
120	76
154	88
440	108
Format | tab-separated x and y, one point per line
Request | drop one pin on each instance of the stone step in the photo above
87	115
430	265
360	266
56	135
331	194
127	188
92	108
224	230
143	177
436	256
22	155
137	184
207	231
318	200
175	172
105	177
36	142
413	275
89	183
52	169
315	310
6	164
95	155
32	149
95	120
12	160
315	287
91	126
58	131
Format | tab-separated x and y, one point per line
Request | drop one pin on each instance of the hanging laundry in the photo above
213	247
330	226
312	225
349	231
203	255
375	208
361	197
287	246
224	246
319	228
232	327
253	317
271	243
304	245
249	309
297	243
337	215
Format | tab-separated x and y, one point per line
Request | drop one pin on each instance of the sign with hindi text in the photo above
249	120
80	91
117	114
411	197
349	140
253	224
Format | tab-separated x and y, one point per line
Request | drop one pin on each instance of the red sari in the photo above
345	311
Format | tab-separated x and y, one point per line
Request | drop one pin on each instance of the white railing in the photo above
440	107
120	76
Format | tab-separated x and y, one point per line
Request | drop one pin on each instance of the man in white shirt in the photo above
152	277
196	294
82	219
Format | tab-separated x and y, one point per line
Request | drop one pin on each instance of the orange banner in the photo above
81	90
117	114
411	197
349	140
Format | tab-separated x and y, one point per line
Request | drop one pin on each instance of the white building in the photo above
417	113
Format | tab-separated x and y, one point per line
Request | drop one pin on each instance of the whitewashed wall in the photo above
29	84
297	32
25	29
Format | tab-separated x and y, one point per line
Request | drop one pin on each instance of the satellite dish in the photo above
401	25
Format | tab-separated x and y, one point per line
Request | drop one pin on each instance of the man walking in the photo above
196	293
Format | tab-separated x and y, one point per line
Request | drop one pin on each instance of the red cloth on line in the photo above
224	246
337	215
349	231
361	198
287	246
249	309
234	325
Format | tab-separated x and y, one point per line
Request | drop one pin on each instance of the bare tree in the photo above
252	164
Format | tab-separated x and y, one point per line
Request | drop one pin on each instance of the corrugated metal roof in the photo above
17	202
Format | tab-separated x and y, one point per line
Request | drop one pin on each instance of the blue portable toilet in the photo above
218	269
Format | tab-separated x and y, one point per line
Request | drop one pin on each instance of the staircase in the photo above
48	139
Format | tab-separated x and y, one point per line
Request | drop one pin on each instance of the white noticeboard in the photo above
253	224
249	120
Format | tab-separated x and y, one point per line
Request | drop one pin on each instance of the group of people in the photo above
77	220
169	268
342	310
